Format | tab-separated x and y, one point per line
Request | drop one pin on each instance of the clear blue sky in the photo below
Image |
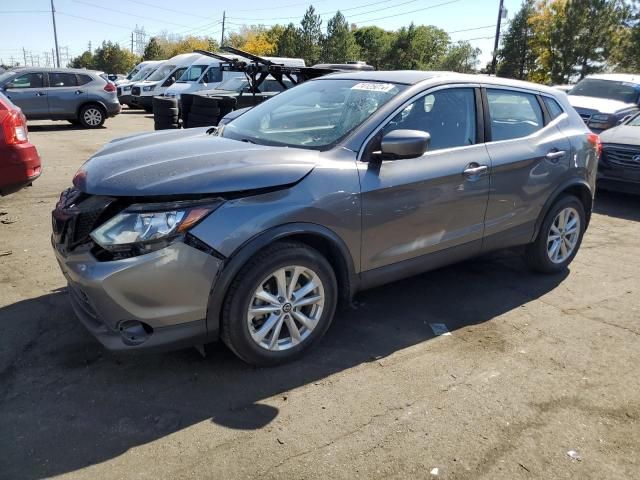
27	24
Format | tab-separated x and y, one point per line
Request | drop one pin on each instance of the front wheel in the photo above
279	305
559	237
91	116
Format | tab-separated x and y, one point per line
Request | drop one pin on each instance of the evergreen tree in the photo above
310	36
374	44
153	50
339	46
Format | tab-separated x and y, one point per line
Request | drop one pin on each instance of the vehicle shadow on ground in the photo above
57	127
619	205
66	403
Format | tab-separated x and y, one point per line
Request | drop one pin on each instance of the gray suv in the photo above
254	232
82	97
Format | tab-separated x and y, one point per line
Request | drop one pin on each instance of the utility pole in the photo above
131	42
497	42
24	53
224	15
55	32
89	46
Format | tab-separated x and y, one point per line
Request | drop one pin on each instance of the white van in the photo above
158	82
198	77
135	71
124	87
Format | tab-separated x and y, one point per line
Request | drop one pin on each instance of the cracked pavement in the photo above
535	367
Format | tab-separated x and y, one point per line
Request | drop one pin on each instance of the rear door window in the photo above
57	79
28	80
513	114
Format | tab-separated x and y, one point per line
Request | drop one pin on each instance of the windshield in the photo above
314	115
236	84
162	73
635	121
6	76
133	73
193	73
620	91
142	73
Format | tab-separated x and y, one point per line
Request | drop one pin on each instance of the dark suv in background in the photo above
82	97
606	100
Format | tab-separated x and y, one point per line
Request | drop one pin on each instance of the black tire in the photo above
158	117
166	126
148	109
200	101
235	328
204	111
164	111
92	116
536	254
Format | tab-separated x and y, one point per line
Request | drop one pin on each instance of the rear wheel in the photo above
92	116
559	238
279	305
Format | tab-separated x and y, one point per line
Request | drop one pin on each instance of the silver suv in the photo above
254	232
82	97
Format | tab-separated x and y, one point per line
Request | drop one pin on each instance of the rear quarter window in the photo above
84	79
554	108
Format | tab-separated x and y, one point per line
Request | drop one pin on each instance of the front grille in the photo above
622	156
82	301
77	215
119	90
135	91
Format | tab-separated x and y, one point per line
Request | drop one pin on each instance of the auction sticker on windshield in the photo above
373	87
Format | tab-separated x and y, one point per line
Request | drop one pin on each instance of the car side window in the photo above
83	79
449	116
214	74
554	108
57	79
28	80
513	114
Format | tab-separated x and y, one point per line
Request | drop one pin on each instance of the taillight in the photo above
595	142
109	87
14	126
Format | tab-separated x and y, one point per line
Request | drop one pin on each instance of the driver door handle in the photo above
474	170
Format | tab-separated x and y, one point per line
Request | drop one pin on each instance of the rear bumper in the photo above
163	294
618	185
125	99
113	109
19	166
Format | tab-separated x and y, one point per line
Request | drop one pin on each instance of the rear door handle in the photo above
555	155
474	170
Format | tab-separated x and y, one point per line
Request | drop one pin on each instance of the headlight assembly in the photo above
600	118
145	228
126	88
148	88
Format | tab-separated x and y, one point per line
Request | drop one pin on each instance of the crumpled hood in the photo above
622	134
184	162
598	105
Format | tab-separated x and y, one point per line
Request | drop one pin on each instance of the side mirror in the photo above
170	81
405	143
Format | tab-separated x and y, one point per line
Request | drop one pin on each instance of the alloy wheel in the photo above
285	308
563	235
92	117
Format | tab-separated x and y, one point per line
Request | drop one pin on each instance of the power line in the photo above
170	9
110	9
279	7
24	11
412	11
341	10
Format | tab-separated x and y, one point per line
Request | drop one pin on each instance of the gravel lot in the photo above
535	367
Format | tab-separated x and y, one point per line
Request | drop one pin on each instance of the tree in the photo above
256	39
85	60
110	58
624	55
339	45
516	57
153	50
374	44
288	42
188	44
418	48
310	36
460	57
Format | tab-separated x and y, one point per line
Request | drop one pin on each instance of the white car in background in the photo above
124	87
198	77
158	82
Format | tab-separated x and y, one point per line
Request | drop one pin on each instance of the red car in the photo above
19	159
